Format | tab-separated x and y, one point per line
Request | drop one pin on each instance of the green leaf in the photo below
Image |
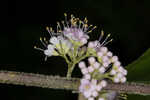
139	70
138	97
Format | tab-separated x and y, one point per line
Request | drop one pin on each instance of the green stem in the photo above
75	60
70	70
67	60
82	57
101	76
75	52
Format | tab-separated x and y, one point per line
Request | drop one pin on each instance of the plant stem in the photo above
71	66
56	82
66	59
82	57
70	69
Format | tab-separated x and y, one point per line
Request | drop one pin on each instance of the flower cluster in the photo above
91	88
73	33
56	44
102	66
70	41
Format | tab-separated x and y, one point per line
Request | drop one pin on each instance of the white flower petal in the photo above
105	59
119	75
123	80
54	40
117	63
87	94
96	65
91	60
90	98
103	83
101	98
109	54
94	94
100	54
99	87
90	45
84	71
87	76
48	52
113	72
50	47
83	41
103	49
101	70
116	80
82	65
90	69
114	58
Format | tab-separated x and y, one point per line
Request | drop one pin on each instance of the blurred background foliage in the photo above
24	23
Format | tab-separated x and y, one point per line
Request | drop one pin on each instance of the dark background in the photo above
24	21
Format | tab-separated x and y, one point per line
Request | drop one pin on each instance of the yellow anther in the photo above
86	25
111	40
77	19
51	29
95	27
90	31
47	28
80	21
59	31
102	32
44	39
41	38
108	35
72	16
65	14
85	20
35	47
62	22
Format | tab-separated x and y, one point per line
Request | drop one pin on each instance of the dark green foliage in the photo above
139	70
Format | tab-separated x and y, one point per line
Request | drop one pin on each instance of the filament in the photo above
105	39
42	42
101	36
38	48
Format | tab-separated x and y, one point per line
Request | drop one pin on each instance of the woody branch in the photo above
56	82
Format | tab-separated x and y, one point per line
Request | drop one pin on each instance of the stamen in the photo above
45	40
38	48
45	58
52	31
60	42
85	27
92	29
65	14
108	42
81	23
47	28
85	20
72	16
63	23
58	27
101	36
105	39
88	28
66	20
42	42
73	20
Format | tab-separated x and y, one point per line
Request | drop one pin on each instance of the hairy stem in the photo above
55	82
